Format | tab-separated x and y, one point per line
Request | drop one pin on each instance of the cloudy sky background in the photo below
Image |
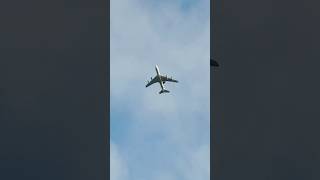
160	137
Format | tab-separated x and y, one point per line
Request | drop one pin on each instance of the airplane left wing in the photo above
166	78
154	80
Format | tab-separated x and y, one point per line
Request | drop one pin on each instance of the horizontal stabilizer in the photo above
164	91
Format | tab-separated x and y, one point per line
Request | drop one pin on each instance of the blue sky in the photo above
160	137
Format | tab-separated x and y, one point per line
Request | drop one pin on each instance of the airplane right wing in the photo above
166	78
154	80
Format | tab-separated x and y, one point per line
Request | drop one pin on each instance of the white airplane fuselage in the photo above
158	74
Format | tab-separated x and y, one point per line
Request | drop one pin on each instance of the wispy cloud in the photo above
118	169
160	136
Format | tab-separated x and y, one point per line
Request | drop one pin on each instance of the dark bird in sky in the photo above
214	63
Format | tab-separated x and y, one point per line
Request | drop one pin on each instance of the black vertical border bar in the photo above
107	85
212	151
39	34
211	95
216	117
212	142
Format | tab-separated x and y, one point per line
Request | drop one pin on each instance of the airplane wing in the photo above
153	80
166	78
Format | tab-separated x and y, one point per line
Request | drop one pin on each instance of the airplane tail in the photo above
164	91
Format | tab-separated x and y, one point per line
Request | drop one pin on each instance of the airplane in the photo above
161	80
214	63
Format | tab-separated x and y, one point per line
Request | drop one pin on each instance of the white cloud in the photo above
200	163
169	134
118	168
